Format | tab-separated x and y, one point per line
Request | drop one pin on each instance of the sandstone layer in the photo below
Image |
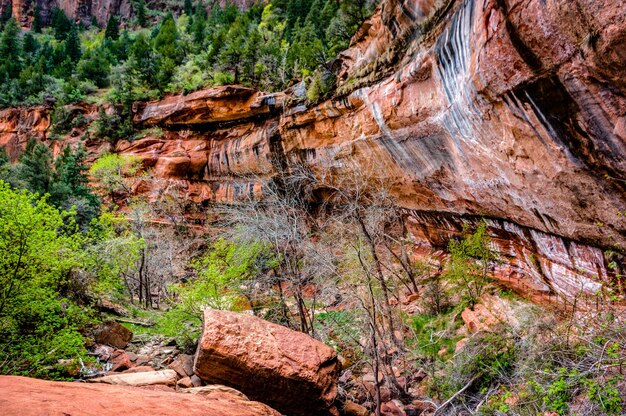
286	369
20	396
509	110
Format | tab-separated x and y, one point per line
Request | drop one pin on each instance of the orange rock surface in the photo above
289	370
511	110
21	396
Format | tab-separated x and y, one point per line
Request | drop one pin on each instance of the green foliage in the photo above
487	358
37	23
266	47
62	178
139	6
112	30
40	247
72	44
112	254
61	24
224	281
606	394
471	260
113	127
113	173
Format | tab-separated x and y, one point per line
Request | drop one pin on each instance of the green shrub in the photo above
40	247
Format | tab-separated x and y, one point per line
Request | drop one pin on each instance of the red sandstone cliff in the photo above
506	109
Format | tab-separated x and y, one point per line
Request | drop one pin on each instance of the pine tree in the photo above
29	47
166	41
72	45
113	30
37	24
140	12
36	167
142	59
198	27
6	14
10	49
188	8
61	25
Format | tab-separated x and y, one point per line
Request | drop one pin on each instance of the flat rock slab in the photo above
286	369
148	378
21	396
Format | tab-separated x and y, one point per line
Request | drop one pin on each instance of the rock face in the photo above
286	369
80	10
30	397
148	378
509	110
113	334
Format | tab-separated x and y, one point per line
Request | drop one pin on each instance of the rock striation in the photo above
286	369
25	397
80	10
509	110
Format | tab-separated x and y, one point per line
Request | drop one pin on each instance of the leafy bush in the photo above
471	262
38	325
225	276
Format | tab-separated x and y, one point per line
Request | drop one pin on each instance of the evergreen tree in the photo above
140	12
29	44
37	23
10	50
112	30
6	14
188	8
72	44
61	25
231	55
141	59
36	167
166	41
95	66
166	46
198	27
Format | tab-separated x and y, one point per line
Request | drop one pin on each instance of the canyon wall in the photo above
509	110
101	10
79	10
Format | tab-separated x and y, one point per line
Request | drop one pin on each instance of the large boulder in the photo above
21	396
288	370
113	334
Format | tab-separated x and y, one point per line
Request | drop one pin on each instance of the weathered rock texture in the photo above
511	110
288	370
80	10
141	379
84	10
20	396
113	334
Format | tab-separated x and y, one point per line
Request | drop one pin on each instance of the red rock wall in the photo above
506	109
80	10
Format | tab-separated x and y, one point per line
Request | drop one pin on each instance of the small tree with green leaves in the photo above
40	247
471	263
115	174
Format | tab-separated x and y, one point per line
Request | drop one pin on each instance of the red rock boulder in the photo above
285	369
113	334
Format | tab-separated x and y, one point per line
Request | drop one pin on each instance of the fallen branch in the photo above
454	396
130	321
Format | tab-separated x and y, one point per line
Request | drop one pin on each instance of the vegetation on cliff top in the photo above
267	46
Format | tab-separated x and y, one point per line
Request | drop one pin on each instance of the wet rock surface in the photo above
463	107
288	370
